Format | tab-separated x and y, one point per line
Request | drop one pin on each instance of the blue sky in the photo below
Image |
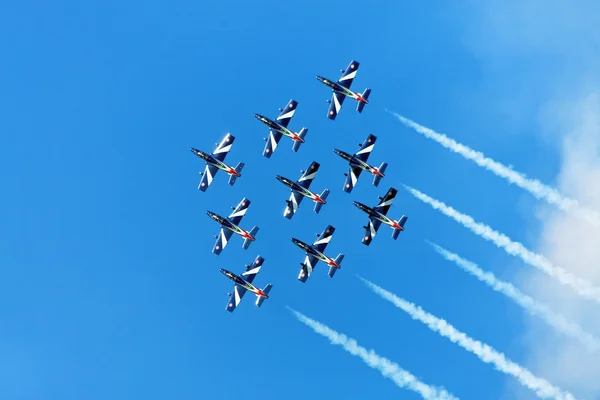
110	289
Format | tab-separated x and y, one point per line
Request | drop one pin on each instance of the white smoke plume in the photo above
485	353
533	186
528	303
389	369
581	286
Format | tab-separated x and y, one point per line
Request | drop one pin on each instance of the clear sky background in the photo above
109	286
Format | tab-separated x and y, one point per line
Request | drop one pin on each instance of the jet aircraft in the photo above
341	90
229	226
214	162
314	254
300	190
279	128
377	215
244	282
358	163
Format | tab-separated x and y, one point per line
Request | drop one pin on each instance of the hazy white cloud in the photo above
553	47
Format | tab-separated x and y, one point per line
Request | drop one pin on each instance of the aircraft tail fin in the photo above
247	242
260	299
338	261
401	222
365	95
377	178
297	143
323	196
238	168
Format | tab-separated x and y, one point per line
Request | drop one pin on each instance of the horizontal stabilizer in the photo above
260	299
297	143
247	242
377	178
365	95
338	261
401	222
238	168
323	196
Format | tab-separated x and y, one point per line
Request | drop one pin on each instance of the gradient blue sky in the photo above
109	286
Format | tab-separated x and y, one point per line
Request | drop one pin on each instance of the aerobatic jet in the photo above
314	254
300	190
244	282
341	90
358	163
229	226
378	214
214	162
279	128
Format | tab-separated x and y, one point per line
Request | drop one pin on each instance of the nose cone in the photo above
223	271
195	151
296	241
210	214
279	178
337	151
257	116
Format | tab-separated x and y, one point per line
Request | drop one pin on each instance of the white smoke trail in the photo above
389	369
541	387
581	286
531	305
533	186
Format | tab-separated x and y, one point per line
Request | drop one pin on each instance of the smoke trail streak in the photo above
581	286
530	305
487	354
533	186
389	369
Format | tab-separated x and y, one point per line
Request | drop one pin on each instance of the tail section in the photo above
377	178
260	299
247	242
338	261
401	222
238	168
302	135
365	95
323	196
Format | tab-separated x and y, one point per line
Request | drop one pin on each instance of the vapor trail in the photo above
530	305
533	186
389	369
581	286
541	387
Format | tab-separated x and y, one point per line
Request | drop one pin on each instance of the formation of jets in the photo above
300	189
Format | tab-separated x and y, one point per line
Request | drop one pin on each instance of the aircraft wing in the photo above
207	177
335	104
238	213
272	142
253	269
371	230
307	268
235	298
292	204
323	240
349	74
222	240
366	148
287	113
386	201
223	147
308	175
351	179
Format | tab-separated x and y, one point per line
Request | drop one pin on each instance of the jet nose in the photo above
257	116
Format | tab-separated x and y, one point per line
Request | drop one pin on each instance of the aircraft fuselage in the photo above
377	215
336	87
355	162
302	190
238	280
213	161
278	128
310	250
227	224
